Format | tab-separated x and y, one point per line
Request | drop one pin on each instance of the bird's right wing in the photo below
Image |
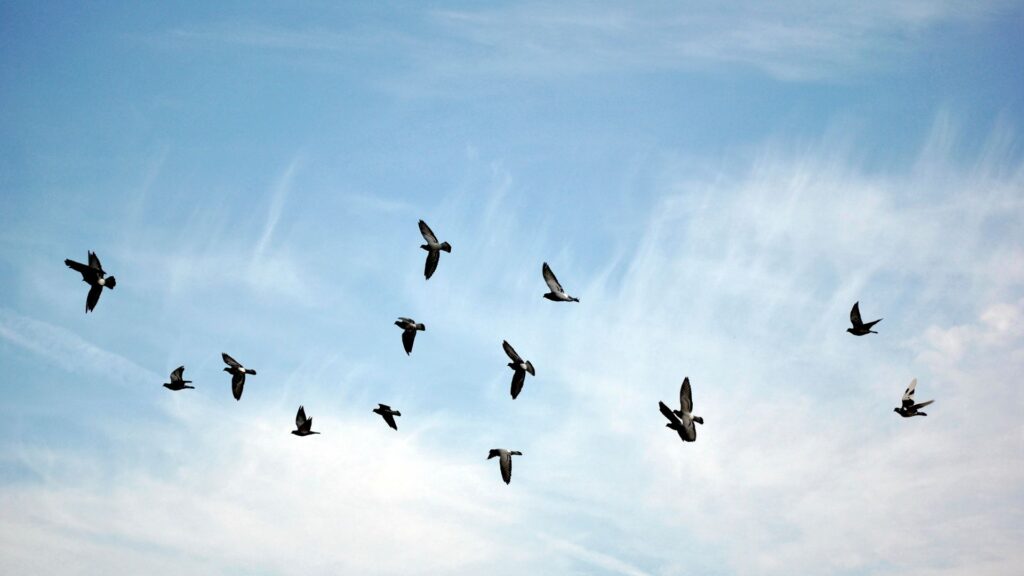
408	337
390	419
686	396
93	298
229	360
94	262
855	314
78	266
506	467
427	233
237	384
549	277
511	352
908	395
433	257
518	378
300	417
667	413
177	374
922	404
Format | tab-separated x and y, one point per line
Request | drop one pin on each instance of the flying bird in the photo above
388	414
433	248
859	327
176	382
908	408
504	462
238	373
303	425
409	328
557	293
682	420
519	368
94	276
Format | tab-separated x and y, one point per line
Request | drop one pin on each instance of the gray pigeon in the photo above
859	327
908	408
682	420
519	368
557	293
94	276
504	461
388	414
176	382
303	425
238	373
433	248
409	328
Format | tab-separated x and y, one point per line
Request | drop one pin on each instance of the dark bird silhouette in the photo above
176	382
859	327
519	368
682	420
433	248
504	461
303	425
557	293
238	373
409	328
388	414
908	408
94	276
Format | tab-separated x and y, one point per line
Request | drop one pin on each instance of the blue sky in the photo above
717	184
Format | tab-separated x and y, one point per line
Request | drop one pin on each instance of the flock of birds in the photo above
681	421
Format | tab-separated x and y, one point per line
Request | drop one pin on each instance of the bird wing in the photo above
237	383
511	352
177	374
855	314
549	277
78	267
427	233
300	417
433	257
686	396
908	395
307	426
668	413
922	404
408	337
229	360
506	467
93	298
518	378
94	262
406	320
389	418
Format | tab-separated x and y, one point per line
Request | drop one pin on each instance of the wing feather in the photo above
427	233
549	277
686	396
511	352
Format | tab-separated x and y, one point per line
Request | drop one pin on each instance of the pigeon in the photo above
238	373
519	367
859	327
176	382
94	276
409	327
505	461
433	248
388	414
557	293
908	408
303	425
682	420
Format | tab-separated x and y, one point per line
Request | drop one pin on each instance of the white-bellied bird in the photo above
682	420
238	373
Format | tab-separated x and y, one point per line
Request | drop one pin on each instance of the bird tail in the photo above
575	299
446	247
110	282
396	413
698	419
529	368
192	387
250	371
421	327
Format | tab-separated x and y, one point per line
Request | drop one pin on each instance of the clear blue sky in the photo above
717	184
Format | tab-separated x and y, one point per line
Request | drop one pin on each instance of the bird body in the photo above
176	382
388	414
504	461
238	373
557	293
409	328
908	408
93	275
682	420
519	368
303	425
433	248
860	328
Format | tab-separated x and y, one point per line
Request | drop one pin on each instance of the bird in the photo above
409	328
908	408
682	420
505	461
303	425
557	293
859	327
433	248
94	276
519	367
176	382
388	414
238	373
